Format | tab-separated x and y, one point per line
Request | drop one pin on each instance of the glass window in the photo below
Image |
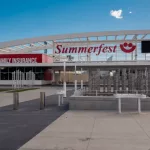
38	69
39	76
22	69
4	69
27	69
12	69
34	69
10	76
4	76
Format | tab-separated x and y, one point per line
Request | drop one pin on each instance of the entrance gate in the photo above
119	80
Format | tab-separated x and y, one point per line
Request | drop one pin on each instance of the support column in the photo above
59	76
136	77
132	83
99	81
65	92
109	84
137	81
104	84
93	82
140	81
148	71
90	79
53	76
123	80
117	78
146	81
136	51
129	80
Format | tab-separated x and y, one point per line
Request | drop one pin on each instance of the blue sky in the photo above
30	18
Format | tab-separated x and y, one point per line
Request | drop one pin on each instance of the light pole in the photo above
75	82
64	79
81	80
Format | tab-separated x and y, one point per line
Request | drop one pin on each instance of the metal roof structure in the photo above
79	39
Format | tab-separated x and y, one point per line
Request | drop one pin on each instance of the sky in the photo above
21	19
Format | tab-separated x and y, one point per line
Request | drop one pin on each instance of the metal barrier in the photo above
42	100
15	100
137	96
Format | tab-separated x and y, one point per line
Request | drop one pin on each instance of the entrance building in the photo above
105	61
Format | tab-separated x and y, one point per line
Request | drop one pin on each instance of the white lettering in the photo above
5	60
18	60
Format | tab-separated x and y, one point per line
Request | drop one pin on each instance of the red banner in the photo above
25	58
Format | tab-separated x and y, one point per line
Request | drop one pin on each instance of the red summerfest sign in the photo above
102	48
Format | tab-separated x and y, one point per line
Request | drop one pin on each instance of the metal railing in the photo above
103	61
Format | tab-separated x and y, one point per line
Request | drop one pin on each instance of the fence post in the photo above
42	100
15	100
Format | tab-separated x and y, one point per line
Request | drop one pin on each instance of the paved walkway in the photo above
18	126
7	98
94	130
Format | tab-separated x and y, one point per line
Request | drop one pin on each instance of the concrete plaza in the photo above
94	130
7	98
19	126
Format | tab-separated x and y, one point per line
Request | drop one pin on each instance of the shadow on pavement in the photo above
18	126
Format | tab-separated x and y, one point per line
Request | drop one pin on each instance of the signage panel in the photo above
20	58
145	47
102	48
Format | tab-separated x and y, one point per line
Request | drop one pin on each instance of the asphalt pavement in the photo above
19	126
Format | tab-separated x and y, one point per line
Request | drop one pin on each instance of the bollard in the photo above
15	100
42	100
75	85
65	89
119	105
59	99
62	100
139	105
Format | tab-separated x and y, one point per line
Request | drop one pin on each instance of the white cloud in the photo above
130	12
116	13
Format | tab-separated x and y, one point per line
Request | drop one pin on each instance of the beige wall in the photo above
70	77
